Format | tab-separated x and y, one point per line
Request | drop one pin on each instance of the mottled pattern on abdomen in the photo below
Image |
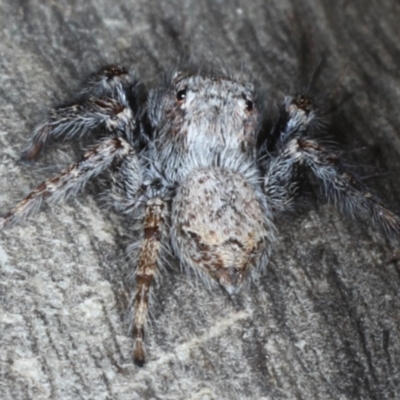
219	226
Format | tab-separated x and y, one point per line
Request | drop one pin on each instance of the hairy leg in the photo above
293	149
103	103
107	81
71	179
148	258
280	170
126	185
347	193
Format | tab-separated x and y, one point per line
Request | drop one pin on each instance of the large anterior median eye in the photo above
249	103
181	95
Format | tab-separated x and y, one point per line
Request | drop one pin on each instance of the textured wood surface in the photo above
322	323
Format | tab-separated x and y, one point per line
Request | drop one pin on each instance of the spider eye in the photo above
181	95
249	103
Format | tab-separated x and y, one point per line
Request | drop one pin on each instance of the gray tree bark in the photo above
322	322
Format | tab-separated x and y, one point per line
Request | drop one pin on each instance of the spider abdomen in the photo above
219	226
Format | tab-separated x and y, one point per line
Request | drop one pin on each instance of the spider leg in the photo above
344	190
127	194
106	101
293	149
280	170
126	183
149	255
76	120
107	81
70	179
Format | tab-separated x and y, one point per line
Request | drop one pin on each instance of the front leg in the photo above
108	81
344	190
280	170
76	120
293	149
107	101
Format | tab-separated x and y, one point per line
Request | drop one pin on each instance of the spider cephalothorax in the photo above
189	163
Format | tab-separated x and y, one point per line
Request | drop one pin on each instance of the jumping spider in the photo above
190	163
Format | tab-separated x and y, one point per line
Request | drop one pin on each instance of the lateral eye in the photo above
249	103
181	94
